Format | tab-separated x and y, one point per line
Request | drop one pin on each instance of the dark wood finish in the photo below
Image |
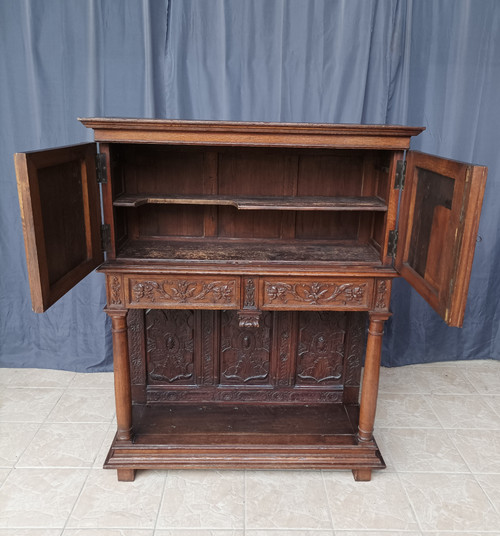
193	356
62	239
228	133
243	263
256	203
248	252
123	397
440	218
369	392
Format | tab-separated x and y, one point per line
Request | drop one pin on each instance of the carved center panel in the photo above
297	357
321	347
245	353
170	346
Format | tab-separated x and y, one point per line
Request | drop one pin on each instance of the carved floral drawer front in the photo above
183	292
317	293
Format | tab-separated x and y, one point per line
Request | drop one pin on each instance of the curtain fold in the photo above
317	61
425	63
452	89
59	61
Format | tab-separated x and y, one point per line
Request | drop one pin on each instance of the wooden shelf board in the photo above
308	203
247	424
244	436
249	252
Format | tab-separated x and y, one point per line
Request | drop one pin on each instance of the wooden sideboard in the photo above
248	271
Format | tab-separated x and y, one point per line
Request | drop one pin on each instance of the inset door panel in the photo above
60	210
441	206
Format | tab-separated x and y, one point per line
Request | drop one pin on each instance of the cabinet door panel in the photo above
60	211
439	218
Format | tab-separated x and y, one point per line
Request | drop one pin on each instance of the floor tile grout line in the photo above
88	469
77	499
495	509
330	515
496	411
245	475
417	519
452	441
98	451
40	424
164	487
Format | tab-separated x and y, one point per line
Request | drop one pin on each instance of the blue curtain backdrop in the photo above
426	63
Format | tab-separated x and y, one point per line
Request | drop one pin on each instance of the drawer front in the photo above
317	293
183	292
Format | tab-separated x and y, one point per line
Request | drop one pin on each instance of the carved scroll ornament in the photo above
184	291
317	293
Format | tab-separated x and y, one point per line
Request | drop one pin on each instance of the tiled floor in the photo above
438	427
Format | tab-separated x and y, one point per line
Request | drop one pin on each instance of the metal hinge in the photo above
399	182
105	236
100	167
392	245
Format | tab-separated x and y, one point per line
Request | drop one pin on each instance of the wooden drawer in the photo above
317	293
182	292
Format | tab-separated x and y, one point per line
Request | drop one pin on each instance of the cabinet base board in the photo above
244	437
361	459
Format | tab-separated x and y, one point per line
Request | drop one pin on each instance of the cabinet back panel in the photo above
330	175
170	220
327	225
249	224
154	170
247	171
256	173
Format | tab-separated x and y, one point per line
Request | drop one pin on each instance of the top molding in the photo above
253	134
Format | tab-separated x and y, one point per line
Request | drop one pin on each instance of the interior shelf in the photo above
217	424
250	251
244	436
306	203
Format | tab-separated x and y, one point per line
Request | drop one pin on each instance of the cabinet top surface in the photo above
251	133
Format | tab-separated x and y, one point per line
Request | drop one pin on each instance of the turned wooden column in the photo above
123	395
369	389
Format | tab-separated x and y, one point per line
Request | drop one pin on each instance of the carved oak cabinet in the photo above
248	271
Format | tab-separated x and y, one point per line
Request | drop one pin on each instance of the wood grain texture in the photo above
251	134
258	203
243	261
453	229
62	238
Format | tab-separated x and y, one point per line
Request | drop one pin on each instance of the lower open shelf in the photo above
229	436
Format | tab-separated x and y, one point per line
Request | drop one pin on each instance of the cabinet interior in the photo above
251	204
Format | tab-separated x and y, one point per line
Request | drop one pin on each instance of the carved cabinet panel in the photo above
242	262
188	355
183	292
327	294
245	352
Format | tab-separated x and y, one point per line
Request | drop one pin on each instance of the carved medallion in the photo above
170	346
245	353
320	352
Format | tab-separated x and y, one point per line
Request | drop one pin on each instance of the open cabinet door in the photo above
60	211
439	219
